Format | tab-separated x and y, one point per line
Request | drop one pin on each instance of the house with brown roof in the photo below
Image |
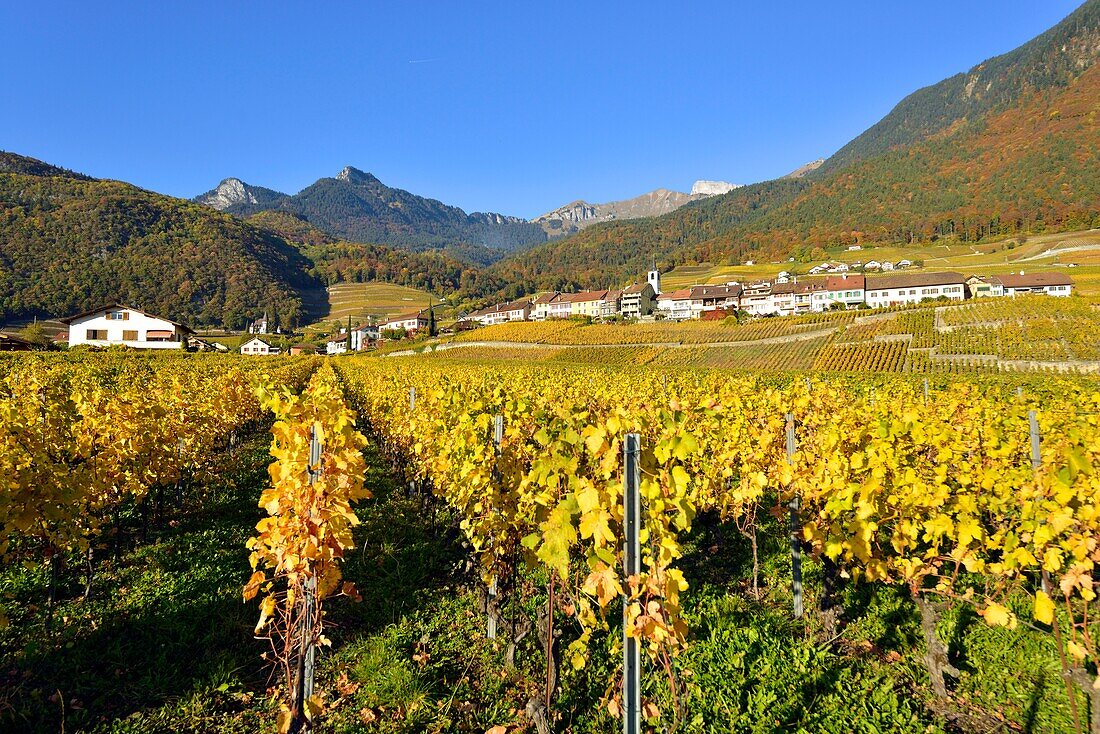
793	297
407	322
611	303
540	307
9	343
756	298
1050	284
502	313
713	297
896	290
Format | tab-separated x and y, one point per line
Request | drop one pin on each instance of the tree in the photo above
431	319
36	334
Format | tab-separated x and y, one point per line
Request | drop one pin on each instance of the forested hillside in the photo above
1049	61
69	243
1010	147
606	254
338	261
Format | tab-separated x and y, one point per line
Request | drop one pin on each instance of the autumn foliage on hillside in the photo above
69	244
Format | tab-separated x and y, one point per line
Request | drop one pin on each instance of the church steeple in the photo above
654	278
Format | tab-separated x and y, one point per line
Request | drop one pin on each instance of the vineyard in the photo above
1023	334
439	545
579	333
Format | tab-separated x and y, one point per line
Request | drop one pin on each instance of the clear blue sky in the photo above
488	106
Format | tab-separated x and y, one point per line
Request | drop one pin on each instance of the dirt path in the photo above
782	339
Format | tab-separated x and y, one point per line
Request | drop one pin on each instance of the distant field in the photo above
360	300
1038	253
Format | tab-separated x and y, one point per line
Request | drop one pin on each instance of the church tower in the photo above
654	278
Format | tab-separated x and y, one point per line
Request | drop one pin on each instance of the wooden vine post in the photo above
796	529
491	597
632	662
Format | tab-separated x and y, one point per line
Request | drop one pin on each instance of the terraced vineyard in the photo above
1022	334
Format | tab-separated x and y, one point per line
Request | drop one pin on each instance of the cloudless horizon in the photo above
486	106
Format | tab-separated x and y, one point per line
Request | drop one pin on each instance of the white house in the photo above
125	326
794	297
847	290
1051	284
891	290
406	322
362	336
756	299
540	307
676	304
502	313
258	347
902	264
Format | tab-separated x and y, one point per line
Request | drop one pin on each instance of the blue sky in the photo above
504	106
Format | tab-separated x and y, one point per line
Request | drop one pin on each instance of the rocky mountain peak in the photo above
805	168
230	192
712	188
350	174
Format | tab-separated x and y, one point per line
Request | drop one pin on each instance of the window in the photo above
129	335
118	315
97	334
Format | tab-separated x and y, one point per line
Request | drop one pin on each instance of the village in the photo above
785	295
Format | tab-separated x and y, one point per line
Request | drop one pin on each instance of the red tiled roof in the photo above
841	283
683	294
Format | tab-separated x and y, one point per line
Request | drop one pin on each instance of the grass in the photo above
165	643
360	300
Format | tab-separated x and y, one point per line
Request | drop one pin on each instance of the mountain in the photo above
578	215
236	197
69	243
805	169
1050	61
14	163
1012	146
357	207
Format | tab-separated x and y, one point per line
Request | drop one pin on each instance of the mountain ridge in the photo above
579	214
355	205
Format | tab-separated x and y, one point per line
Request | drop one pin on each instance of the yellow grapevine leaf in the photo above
999	616
1043	610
